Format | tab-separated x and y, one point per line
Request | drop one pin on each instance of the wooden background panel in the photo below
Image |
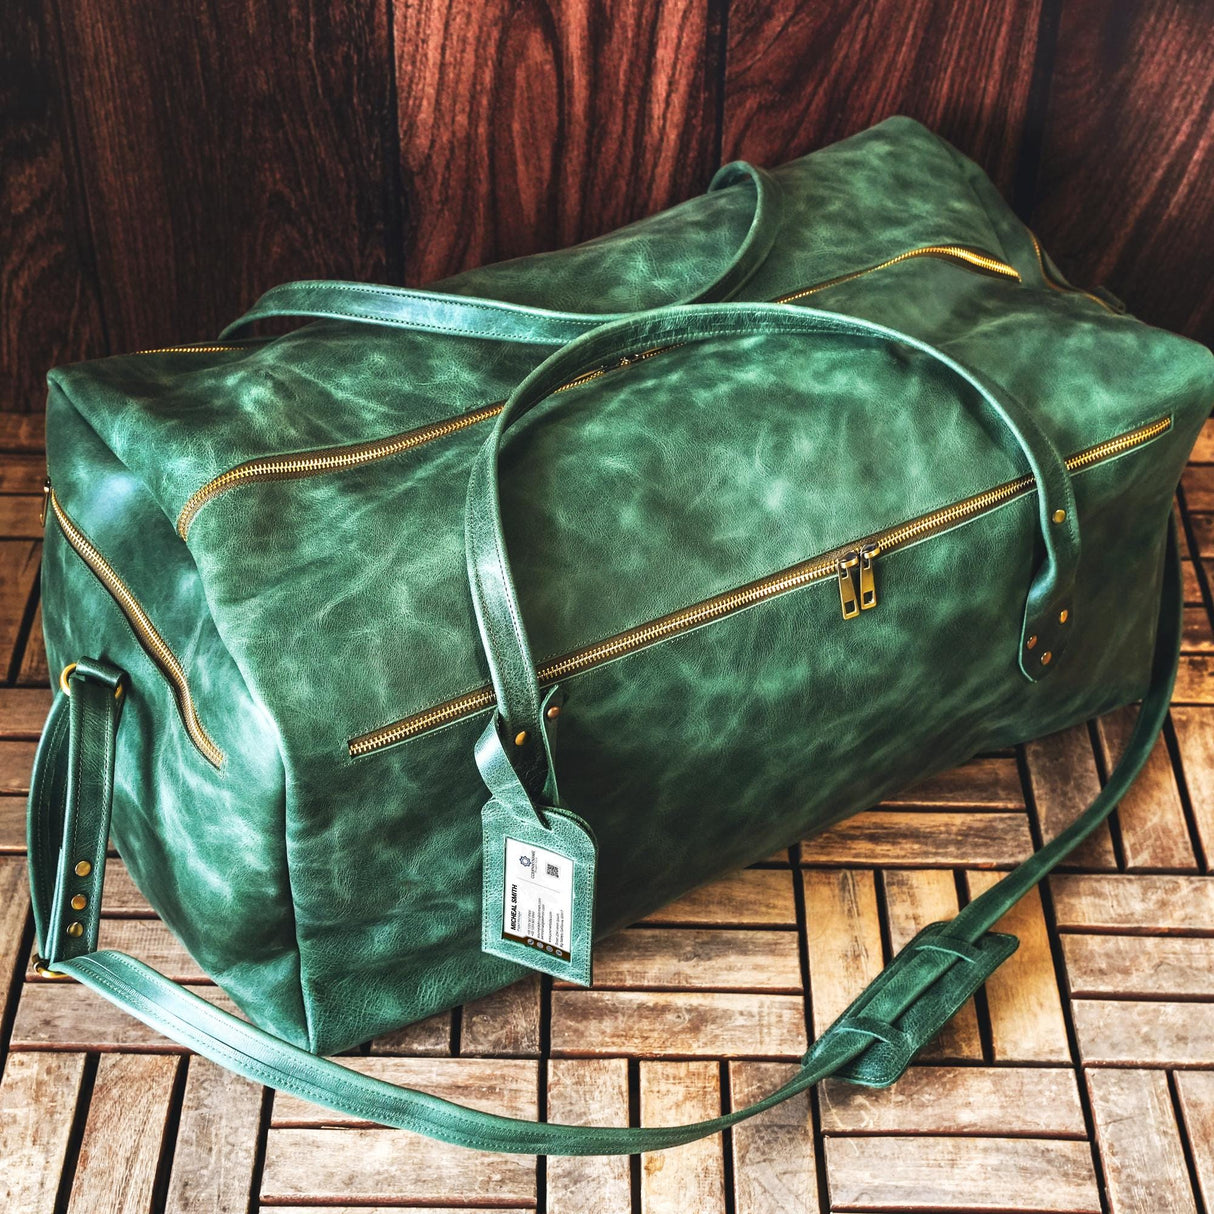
1125	194
226	147
49	310
526	127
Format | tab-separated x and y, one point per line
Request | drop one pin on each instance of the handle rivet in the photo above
83	868
520	738
75	928
1063	616
1059	515
1031	643
553	712
1045	658
79	902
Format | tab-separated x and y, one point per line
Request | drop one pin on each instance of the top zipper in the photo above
353	455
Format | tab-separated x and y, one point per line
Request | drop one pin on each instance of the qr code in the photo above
554	870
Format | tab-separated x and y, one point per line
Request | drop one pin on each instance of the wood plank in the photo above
1022	997
1031	1102
750	897
685	958
49	297
198	210
690	1177
1151	1033
151	941
431	1037
12	824
1195	742
1154	833
1197	482
1195	1090
961	1174
20	516
18	572
316	1156
215	1149
14	918
1153	967
588	1091
913	899
506	1022
35	671
1138	904
123	1134
22	432
23	473
1115	115
1194	680
1140	1148
982	783
581	112
925	70
774	1155
121	898
1064	781
16	762
843	934
23	711
889	839
1198	635
38	1096
668	1025
67	1016
1203	449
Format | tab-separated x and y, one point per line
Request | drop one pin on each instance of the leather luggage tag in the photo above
538	870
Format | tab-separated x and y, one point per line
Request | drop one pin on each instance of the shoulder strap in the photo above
495	320
872	1043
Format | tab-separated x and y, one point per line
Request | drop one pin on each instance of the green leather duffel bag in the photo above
454	629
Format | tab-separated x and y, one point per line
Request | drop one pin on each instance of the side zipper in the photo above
149	638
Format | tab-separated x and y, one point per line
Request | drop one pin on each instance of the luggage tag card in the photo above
538	889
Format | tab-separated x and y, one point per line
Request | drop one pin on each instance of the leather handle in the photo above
503	632
872	1043
496	320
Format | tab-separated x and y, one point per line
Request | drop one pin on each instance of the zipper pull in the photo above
846	570
868	584
46	501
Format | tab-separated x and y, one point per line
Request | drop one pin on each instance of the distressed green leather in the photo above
337	897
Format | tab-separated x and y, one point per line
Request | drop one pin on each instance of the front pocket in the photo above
146	633
853	566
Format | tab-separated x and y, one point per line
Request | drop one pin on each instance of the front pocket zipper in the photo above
354	455
854	567
153	644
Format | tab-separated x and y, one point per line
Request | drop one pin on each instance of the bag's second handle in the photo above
497	320
871	1043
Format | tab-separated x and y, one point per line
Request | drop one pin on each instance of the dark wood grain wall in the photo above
160	165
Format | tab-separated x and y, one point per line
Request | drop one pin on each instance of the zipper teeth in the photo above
332	459
731	601
327	460
153	643
189	349
1057	286
969	257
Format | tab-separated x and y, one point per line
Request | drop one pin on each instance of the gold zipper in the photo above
340	458
190	349
854	564
153	643
969	259
1066	289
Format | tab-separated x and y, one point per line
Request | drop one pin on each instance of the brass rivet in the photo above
1031	643
1059	515
553	712
1045	658
83	868
520	737
79	902
1063	616
75	928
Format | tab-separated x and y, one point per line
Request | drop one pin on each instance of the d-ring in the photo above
66	673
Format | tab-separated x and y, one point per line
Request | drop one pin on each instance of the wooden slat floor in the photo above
1080	1079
